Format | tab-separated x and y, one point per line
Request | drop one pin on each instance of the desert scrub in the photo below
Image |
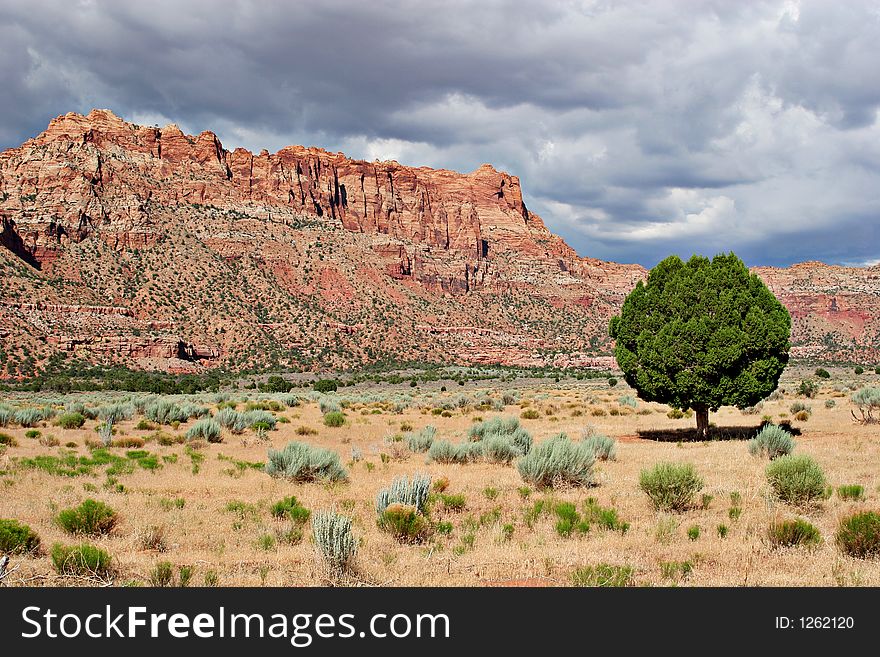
334	540
603	447
207	428
71	420
334	419
851	492
772	441
232	420
420	442
858	535
444	451
603	574
17	538
557	462
796	479
793	533
671	486
407	492
83	560
92	518
292	509
28	417
301	462
404	522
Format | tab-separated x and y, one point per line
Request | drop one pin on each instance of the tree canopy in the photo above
701	335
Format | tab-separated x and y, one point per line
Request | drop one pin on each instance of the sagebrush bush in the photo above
858	535
334	540
17	538
791	533
71	420
230	419
603	447
259	419
207	428
557	462
116	413
163	411
334	419
444	451
302	462
771	441
328	405
84	560
796	479
405	491
868	402
421	442
671	486
27	417
91	518
404	522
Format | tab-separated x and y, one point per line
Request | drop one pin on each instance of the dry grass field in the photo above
207	506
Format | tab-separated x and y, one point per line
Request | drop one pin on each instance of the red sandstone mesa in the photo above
147	246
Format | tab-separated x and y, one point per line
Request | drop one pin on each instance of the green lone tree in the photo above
702	335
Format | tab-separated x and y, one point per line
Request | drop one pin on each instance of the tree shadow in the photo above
690	434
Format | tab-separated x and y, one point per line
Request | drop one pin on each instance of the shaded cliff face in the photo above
144	245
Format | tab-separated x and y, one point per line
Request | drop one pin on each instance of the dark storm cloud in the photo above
638	129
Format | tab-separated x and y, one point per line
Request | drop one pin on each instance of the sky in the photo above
638	129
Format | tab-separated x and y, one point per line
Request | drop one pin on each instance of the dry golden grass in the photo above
204	534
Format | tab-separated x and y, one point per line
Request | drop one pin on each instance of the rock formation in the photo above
146	246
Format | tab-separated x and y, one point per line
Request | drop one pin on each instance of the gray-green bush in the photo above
558	462
405	491
671	486
421	441
604	448
302	462
334	540
796	479
772	441
206	428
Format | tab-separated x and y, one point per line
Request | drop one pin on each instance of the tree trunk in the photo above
702	413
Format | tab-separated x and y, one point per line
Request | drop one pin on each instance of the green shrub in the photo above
851	492
33	434
84	560
671	486
830	403
796	479
6	415
693	532
334	540
290	508
628	400
604	517
444	451
792	533
408	493
799	407
822	373
859	535
612	382
404	522
326	385
859	369
17	538
206	428
71	420
808	388
301	462
162	575
772	441
675	570
530	414
92	518
603	574
558	462
116	413
452	502
6	439
334	419
603	447
421	442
